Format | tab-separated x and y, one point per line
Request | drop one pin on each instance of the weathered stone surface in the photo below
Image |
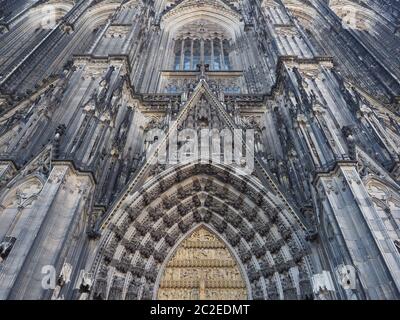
91	103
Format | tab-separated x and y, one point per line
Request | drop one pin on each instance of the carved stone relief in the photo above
202	268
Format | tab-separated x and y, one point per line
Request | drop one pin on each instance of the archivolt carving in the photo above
23	194
353	14
387	204
267	243
212	11
306	14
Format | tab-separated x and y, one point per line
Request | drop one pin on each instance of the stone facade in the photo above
92	94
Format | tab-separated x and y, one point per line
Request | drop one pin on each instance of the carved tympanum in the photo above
202	268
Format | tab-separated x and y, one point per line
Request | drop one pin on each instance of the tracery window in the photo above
189	52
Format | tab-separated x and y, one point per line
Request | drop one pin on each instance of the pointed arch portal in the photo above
202	268
144	241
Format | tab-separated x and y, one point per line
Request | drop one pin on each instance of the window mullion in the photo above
182	54
191	54
212	53
223	66
202	51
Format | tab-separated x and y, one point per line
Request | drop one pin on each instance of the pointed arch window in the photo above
178	49
216	55
187	54
226	53
207	52
196	53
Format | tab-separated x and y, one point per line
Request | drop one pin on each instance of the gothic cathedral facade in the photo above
94	92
